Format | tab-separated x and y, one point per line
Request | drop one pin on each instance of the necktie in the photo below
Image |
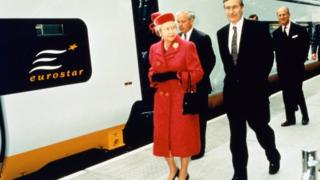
284	31
184	36
234	51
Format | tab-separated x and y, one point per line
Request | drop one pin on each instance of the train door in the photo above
139	127
142	9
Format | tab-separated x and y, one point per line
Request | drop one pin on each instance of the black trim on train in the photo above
43	53
142	10
307	2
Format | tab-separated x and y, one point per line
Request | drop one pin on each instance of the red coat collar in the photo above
173	48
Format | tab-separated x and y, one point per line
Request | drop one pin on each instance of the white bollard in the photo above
309	165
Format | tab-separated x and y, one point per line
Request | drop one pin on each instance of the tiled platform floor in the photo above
216	165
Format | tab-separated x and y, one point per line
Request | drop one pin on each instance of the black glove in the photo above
161	77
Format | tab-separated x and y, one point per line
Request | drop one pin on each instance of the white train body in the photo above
38	119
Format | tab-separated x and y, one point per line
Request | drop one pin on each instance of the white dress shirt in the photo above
287	28
188	34
239	25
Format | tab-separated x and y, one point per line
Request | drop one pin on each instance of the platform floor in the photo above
216	165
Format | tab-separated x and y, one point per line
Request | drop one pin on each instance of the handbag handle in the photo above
189	88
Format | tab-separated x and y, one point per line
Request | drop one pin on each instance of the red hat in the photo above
151	27
163	18
153	17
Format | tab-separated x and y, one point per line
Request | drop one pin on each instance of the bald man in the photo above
207	58
291	42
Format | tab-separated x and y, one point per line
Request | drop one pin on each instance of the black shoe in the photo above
198	156
305	121
274	167
177	174
235	177
288	123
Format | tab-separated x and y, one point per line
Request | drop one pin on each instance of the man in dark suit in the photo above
247	55
291	43
203	44
316	42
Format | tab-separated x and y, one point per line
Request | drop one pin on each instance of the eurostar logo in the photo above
73	47
48	63
47	57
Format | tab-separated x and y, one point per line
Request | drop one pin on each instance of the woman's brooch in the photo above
175	45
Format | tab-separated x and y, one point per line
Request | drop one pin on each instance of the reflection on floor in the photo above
216	165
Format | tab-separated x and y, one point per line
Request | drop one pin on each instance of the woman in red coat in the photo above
173	61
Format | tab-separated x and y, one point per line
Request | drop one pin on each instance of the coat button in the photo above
161	93
166	94
158	63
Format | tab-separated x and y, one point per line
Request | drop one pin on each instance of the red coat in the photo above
173	131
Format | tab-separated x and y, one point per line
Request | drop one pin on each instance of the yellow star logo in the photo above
72	47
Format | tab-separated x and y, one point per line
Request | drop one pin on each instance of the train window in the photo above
309	25
49	29
309	2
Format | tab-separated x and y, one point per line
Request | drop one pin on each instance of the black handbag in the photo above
191	100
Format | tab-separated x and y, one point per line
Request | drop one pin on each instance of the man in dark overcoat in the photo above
207	57
291	42
247	55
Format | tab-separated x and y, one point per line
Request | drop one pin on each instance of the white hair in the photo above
191	15
157	28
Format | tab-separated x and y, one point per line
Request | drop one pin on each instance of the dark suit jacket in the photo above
291	52
206	56
316	39
247	82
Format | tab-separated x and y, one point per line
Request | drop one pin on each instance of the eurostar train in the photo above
71	70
